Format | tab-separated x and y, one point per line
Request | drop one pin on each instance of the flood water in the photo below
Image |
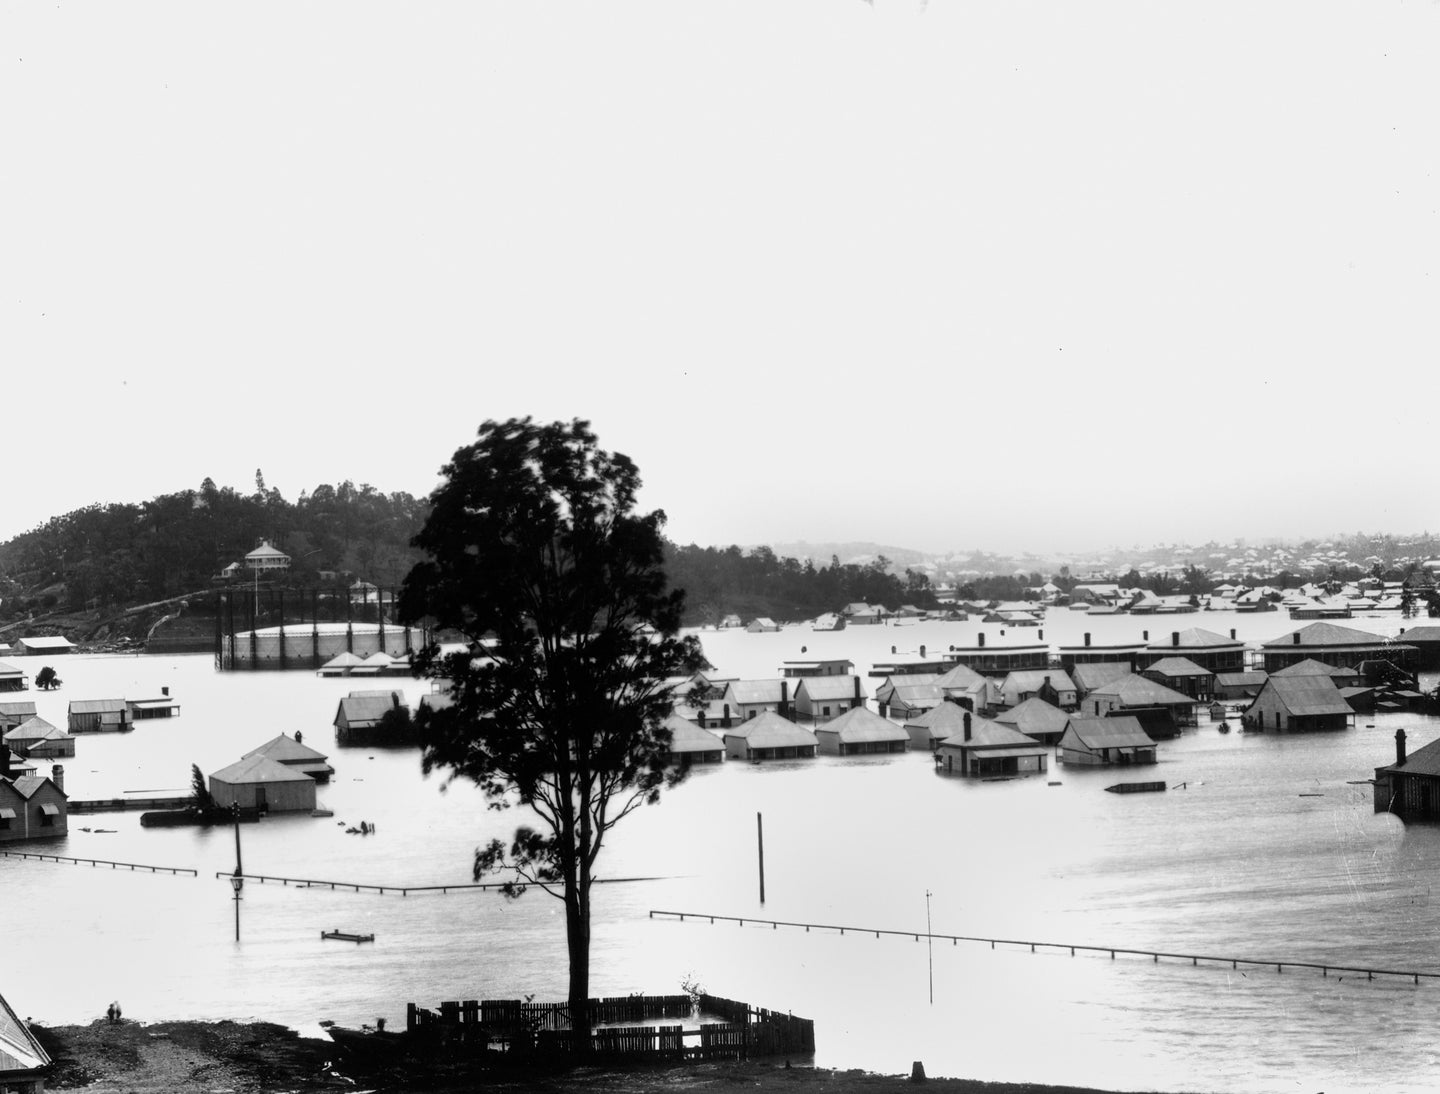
1269	851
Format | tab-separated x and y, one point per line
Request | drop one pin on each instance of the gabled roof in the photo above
366	707
1099	673
1307	695
37	729
1136	691
1311	667
688	737
97	706
769	730
745	692
27	785
45	642
1178	666
344	660
1032	679
987	733
266	550
830	687
1098	733
917	693
860	724
961	677
7	669
259	769
942	720
1196	638
285	749
1240	679
1419	634
1034	716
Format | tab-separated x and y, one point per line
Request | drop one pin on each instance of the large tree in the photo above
536	555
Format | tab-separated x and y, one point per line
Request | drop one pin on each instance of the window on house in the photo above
825	711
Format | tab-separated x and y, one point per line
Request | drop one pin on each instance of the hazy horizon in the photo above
934	275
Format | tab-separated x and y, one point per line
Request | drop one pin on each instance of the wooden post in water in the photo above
760	838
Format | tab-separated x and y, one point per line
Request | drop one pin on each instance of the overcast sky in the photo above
1006	275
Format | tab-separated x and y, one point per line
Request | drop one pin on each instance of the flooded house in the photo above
762	625
23	1059
819	698
750	698
15	711
821	666
988	749
768	737
1052	685
860	732
1340	677
12	678
1410	787
690	744
163	706
358	717
1091	741
1230	686
1038	719
1183	675
50	645
263	784
32	806
908	696
100	716
963	685
1299	704
1343	647
1211	651
38	739
937	724
1426	641
1134	694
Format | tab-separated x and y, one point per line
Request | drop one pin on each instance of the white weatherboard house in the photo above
264	784
1091	741
860	731
267	557
768	736
286	750
990	749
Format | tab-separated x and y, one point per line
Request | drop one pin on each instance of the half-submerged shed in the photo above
12	678
1095	741
818	698
1410	787
768	736
990	749
37	738
99	715
357	719
260	783
860	732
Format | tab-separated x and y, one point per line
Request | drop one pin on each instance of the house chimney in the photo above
784	710
922	648
57	776
1087	638
4	762
165	691
857	691
1174	638
1399	748
1232	634
1040	635
1295	639
982	639
1145	636
967	725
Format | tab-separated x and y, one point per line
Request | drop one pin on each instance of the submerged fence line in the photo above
403	890
1326	968
42	857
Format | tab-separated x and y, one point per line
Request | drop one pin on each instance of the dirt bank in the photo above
262	1058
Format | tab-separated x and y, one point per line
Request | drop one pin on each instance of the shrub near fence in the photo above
516	1027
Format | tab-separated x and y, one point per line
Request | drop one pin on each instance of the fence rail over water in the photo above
1280	965
403	890
42	857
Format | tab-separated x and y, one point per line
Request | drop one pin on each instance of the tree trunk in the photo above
577	936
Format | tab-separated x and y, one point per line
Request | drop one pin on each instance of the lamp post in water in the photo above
237	880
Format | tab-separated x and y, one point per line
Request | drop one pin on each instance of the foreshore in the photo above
264	1058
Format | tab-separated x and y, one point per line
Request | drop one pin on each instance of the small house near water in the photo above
1095	741
768	736
100	716
263	784
987	749
284	749
860	732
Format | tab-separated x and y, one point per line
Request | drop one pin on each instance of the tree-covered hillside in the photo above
105	556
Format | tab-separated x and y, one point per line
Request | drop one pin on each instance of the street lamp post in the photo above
237	880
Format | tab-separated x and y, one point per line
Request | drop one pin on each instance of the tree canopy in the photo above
536	556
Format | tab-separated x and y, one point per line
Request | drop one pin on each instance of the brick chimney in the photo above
57	776
1174	638
1087	638
982	639
1399	748
967	726
1295	639
1232	634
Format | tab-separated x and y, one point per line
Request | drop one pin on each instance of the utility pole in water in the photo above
760	838
930	946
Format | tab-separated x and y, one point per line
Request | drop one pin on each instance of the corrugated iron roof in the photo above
1307	695
1032	679
1136	691
285	749
1178	666
259	769
1097	674
1328	634
97	706
831	687
769	730
688	737
1423	761
746	692
19	1050
1311	667
1034	716
1196	638
860	725
986	734
1099	733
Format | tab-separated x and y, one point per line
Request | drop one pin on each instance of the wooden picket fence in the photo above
514	1028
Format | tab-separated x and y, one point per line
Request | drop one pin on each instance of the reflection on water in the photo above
1269	851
